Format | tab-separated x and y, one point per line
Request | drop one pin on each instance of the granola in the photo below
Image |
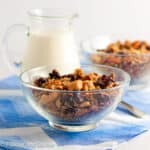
133	57
77	81
81	97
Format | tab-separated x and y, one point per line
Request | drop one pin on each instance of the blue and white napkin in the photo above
15	112
12	143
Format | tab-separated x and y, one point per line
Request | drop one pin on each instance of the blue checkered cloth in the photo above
16	112
13	143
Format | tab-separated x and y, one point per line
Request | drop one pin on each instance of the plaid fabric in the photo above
15	112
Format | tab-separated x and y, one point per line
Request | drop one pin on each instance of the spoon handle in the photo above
133	110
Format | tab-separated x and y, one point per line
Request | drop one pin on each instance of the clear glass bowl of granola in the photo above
133	56
76	101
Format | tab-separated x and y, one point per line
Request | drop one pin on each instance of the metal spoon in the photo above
133	110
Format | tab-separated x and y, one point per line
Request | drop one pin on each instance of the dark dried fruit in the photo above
40	81
54	74
105	81
69	111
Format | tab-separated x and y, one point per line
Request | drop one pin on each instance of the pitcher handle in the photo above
13	56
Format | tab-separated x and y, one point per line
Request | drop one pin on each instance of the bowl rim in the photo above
122	84
52	13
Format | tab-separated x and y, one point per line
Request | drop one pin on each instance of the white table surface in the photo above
141	142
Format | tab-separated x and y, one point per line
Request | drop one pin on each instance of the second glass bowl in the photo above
136	65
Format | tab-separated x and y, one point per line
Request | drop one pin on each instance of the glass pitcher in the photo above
49	40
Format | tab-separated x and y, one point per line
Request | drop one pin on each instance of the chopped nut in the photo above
88	85
91	76
79	73
75	85
45	99
136	44
85	104
58	103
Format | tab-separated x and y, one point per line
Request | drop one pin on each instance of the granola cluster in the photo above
78	100
77	81
133	57
128	47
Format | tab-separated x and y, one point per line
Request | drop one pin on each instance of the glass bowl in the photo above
74	110
136	65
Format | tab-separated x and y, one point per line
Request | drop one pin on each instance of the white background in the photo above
96	16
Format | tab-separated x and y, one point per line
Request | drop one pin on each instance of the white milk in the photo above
53	48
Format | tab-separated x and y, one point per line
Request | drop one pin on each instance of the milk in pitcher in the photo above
55	48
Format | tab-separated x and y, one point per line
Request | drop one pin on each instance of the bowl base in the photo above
67	128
